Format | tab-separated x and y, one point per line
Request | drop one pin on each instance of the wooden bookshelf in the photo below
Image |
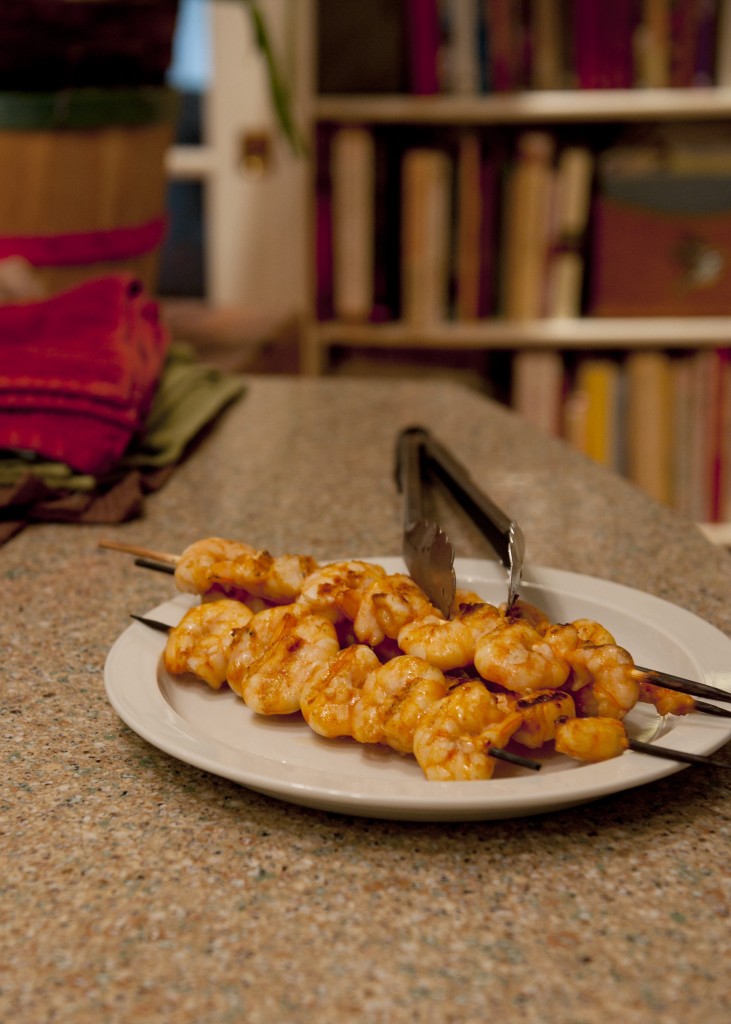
527	108
567	110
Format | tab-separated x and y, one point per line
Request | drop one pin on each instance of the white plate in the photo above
283	758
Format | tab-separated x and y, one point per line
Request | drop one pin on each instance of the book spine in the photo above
653	45
468	228
323	227
423	28
704	73
684	41
598	379
545	27
353	179
426	197
537	388
386	228
588	43
490	187
723	43
572	202
505	31
724	456
529	191
649	423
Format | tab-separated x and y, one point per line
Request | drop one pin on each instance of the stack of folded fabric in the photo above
96	406
78	372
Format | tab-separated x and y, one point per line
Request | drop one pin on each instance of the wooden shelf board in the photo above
609	332
578	105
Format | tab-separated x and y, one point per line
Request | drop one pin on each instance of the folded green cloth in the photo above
189	396
14	466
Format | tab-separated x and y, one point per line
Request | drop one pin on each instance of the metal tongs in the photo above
427	551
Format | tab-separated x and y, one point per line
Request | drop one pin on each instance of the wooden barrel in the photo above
82	180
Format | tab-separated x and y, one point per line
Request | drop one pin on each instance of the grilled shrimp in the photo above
516	656
277	579
524	611
202	642
591	632
563	639
665	702
387	605
193	568
262	630
327	701
613	689
337	589
602	677
232	566
591	739
273	683
449	643
393	700
540	711
453	739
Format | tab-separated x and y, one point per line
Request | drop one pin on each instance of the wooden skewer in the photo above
133	549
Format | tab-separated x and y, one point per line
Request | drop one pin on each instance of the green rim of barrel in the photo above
87	108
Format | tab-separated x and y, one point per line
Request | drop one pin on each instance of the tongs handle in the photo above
503	533
409	474
491	519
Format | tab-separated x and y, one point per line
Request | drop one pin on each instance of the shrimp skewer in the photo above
279	585
216	562
408	703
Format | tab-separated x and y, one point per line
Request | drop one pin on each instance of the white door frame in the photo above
254	222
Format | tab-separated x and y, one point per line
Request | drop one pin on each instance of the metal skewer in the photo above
511	758
161	627
149	563
676	755
679	683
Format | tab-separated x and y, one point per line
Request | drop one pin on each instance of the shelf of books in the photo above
570	204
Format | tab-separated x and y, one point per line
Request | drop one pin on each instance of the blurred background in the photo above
532	197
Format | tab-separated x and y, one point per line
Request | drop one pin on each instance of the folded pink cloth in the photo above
78	371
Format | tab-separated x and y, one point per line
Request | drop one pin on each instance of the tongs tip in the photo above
516	554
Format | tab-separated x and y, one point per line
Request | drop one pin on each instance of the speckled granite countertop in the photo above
135	887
